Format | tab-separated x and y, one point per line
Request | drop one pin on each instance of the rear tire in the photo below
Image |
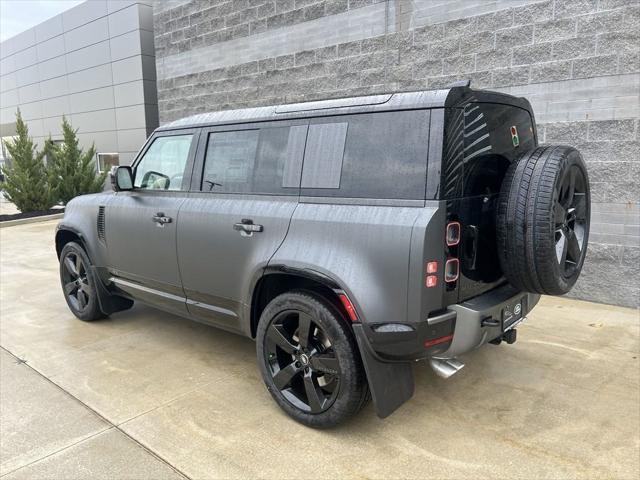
309	360
543	220
78	283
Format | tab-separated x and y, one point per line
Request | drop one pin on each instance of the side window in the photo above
266	160
376	155
163	164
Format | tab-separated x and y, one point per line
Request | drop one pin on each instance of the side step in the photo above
446	367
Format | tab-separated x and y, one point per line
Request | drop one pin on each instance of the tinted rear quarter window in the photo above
384	155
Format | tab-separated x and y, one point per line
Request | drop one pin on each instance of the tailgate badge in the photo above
517	309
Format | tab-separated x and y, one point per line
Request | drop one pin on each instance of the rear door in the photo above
245	189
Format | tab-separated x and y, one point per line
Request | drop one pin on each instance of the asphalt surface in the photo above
145	394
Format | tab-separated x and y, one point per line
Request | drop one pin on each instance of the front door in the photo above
246	187
141	224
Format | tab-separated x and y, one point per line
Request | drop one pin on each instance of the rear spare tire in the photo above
543	220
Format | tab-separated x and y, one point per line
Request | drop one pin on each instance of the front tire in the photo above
309	360
78	283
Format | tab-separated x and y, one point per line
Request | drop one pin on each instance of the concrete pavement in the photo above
6	207
145	394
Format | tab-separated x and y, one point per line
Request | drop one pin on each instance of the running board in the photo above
445	367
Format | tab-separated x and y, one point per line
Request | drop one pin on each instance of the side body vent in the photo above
100	224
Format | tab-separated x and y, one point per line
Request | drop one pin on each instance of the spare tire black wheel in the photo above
543	220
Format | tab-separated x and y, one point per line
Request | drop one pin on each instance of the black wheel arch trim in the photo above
61	228
305	273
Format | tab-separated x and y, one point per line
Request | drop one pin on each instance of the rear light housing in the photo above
451	270
453	234
348	306
432	267
438	341
431	281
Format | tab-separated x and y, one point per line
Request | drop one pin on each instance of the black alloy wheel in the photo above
309	359
570	218
78	283
302	362
75	282
542	220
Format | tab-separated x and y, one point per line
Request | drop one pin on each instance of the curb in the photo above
24	221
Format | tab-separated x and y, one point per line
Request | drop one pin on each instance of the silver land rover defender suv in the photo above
349	237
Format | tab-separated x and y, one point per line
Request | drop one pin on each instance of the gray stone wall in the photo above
578	62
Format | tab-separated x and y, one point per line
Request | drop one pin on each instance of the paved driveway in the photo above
146	394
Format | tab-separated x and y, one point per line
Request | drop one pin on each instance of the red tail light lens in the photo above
451	270
348	306
432	267
453	233
438	341
432	281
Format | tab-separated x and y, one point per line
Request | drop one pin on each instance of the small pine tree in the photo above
72	172
25	175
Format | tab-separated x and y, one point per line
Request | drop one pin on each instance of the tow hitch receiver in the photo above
510	336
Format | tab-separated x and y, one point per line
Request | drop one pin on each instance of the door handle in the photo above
247	226
161	219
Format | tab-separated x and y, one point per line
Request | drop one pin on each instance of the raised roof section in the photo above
391	101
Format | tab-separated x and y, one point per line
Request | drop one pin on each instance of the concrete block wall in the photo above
578	61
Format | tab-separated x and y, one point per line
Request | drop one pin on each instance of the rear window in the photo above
498	129
378	155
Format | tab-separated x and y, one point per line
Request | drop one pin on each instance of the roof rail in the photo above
334	103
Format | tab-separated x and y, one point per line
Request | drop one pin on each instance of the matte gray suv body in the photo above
348	201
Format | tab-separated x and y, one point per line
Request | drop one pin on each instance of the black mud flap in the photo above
391	384
109	303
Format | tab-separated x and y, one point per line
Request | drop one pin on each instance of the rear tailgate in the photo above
481	141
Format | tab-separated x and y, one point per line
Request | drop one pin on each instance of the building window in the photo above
107	160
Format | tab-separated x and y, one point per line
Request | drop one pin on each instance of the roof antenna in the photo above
460	83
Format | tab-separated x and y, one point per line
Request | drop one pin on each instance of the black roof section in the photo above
449	97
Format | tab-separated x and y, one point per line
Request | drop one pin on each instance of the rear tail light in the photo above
431	281
451	270
453	233
348	306
432	267
438	341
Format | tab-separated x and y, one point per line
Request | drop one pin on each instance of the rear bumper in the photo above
486	317
458	329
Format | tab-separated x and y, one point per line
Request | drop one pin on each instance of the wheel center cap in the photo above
304	359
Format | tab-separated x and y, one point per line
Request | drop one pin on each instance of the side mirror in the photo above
121	178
